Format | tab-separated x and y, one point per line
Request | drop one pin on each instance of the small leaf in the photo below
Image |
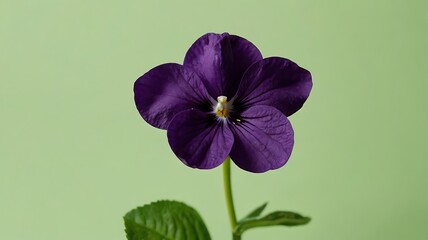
165	220
273	219
256	212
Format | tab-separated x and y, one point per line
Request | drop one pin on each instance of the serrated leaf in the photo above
165	220
273	219
256	212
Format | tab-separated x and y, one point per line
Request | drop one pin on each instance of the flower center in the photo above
221	109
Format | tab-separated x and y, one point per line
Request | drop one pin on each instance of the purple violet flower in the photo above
225	100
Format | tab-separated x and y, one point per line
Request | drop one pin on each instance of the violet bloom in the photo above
225	100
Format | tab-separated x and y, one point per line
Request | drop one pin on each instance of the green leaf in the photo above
256	212
165	220
273	219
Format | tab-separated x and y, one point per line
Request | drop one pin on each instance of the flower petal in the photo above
167	90
199	139
264	139
277	82
244	54
221	60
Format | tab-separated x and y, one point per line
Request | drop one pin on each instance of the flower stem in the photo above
229	197
236	237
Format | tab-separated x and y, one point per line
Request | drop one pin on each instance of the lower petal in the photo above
199	139
264	139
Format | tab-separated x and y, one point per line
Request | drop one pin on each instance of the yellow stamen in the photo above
221	109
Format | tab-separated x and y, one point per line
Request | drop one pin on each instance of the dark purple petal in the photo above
167	90
264	139
244	54
277	82
199	139
221	60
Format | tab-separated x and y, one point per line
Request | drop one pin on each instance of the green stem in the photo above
229	197
236	237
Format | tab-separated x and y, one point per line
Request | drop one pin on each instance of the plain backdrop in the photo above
75	155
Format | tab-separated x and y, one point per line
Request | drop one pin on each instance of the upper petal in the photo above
199	139
244	54
167	90
277	82
264	139
221	60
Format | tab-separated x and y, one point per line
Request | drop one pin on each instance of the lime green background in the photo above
75	155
